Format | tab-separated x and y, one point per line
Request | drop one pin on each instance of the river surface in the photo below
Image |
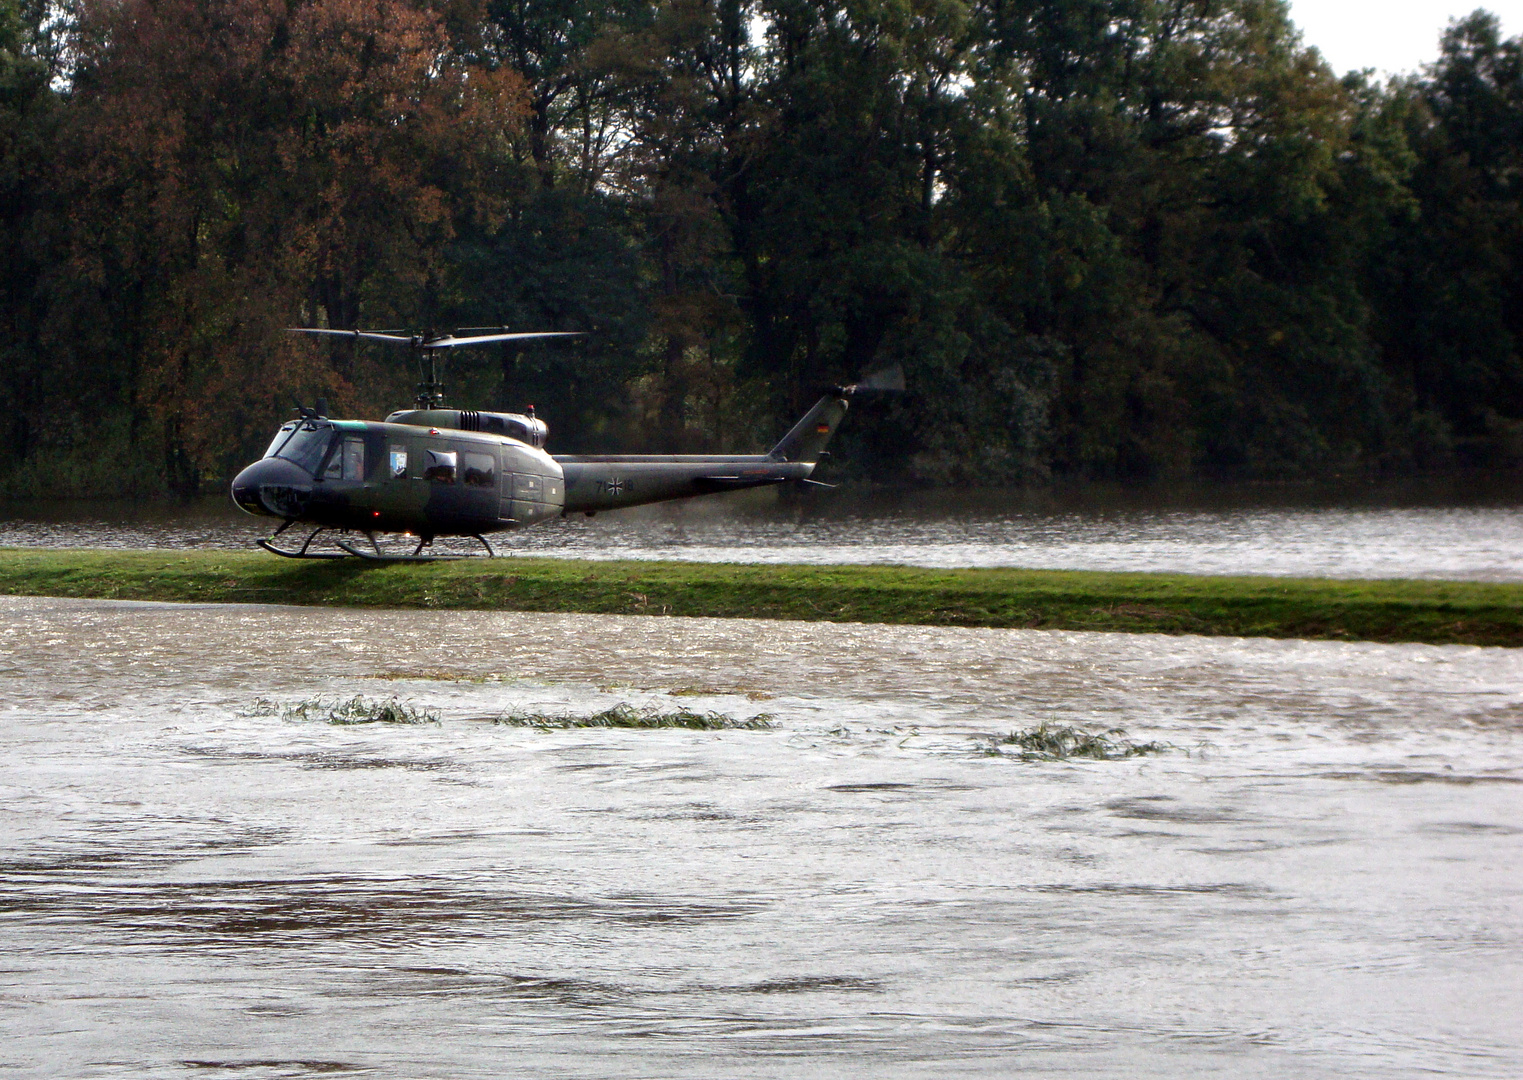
1322	877
1456	529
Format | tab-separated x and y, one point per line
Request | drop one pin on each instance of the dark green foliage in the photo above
29	113
1450	288
1117	239
566	260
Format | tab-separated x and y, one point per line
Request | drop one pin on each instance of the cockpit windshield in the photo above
280	437
305	445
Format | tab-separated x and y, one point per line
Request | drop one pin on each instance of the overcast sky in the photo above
1392	36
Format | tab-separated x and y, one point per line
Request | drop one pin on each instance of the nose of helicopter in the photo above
273	486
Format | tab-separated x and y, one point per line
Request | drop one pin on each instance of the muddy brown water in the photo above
1320	879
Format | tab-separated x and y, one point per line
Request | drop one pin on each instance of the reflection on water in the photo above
1319	880
1453	530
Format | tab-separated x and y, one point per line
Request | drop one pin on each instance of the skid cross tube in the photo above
302	552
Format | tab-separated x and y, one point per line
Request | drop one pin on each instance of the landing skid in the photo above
371	556
300	553
377	555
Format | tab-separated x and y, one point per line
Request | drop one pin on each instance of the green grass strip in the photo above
1439	612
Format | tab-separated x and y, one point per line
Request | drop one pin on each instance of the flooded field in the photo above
1452	530
1318	876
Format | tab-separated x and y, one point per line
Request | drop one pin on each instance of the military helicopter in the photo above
430	471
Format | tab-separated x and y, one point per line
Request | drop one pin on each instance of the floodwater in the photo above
1321	878
1458	529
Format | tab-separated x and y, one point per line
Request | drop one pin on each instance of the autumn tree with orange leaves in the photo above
239	166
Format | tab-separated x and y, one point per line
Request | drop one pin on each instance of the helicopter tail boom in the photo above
611	481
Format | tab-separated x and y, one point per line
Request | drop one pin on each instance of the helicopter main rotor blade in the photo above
365	335
449	342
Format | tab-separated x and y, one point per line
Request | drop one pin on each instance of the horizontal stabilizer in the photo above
734	483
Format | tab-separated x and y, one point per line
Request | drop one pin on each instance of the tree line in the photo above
1107	239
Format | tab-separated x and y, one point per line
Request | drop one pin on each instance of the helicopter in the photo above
432	471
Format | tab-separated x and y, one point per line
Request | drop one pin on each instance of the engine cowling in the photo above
526	429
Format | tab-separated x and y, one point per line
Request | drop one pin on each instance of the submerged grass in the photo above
624	715
721	691
346	711
1060	742
1439	612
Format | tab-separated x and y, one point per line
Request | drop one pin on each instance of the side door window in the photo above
479	470
440	465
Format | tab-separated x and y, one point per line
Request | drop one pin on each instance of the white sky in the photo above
1391	36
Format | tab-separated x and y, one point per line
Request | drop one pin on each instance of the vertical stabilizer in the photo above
806	442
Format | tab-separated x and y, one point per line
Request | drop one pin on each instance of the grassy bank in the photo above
1437	612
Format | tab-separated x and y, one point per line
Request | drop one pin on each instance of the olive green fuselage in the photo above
442	481
380	477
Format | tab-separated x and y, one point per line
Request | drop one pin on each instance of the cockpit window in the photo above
306	446
280	437
347	462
